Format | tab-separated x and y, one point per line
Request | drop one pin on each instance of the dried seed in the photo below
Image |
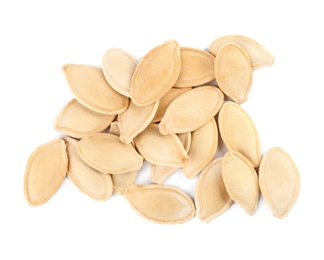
135	119
45	172
191	110
156	73
106	153
203	147
160	204
238	132
279	181
241	181
93	91
160	149
211	197
114	128
259	56
197	67
233	72
78	121
118	67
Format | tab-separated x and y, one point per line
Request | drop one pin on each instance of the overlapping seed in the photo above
165	108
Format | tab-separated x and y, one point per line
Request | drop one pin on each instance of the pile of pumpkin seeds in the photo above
166	109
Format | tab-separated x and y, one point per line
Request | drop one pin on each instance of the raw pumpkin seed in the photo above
114	128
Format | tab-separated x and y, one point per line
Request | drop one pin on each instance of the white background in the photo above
285	102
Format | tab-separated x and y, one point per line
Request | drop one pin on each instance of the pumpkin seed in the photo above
238	132
241	181
114	128
156	74
233	72
93	91
45	171
78	121
95	184
106	153
191	110
160	204
259	56
211	197
279	181
118	67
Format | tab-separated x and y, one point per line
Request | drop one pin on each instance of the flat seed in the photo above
191	110
239	133
197	67
233	72
241	181
78	121
156	73
45	172
279	181
259	56
114	128
166	150
211	197
118	67
160	204
203	147
135	119
166	100
93	91
106	153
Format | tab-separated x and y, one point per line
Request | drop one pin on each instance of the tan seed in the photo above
114	128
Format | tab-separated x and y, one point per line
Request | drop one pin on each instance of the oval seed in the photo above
160	149
279	181
114	128
95	184
197	67
78	121
160	204
241	181
203	147
135	119
191	110
211	197
156	73
106	153
238	132
233	72
93	91
259	56
118	67
45	171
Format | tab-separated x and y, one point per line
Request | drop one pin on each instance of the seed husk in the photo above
239	133
279	181
92	90
156	73
160	204
233	72
45	171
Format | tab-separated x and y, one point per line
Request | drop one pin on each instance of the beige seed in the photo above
78	121
259	56
114	128
211	197
135	119
197	67
203	147
118	67
166	150
95	184
160	204
106	153
279	181
241	181
191	110
233	72
93	91
238	132
156	74
45	171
